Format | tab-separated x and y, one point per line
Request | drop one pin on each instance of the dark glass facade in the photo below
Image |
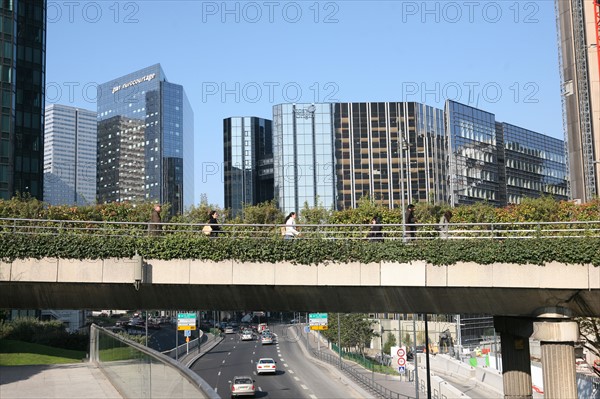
22	80
248	162
534	164
473	173
145	140
394	153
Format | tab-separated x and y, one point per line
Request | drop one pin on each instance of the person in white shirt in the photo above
290	227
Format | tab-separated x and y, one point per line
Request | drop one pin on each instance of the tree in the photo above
589	331
390	341
356	331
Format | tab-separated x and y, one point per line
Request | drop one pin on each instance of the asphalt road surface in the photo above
297	376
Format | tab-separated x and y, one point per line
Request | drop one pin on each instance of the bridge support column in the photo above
557	338
516	362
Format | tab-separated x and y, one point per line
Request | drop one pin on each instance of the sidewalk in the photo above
75	380
395	384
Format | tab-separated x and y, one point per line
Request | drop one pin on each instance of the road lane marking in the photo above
304	386
219	373
291	371
296	378
285	365
312	396
229	354
260	389
223	361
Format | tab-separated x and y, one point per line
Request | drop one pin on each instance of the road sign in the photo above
401	361
187	333
401	352
317	321
186	321
401	369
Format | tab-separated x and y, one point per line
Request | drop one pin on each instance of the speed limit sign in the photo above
401	352
401	361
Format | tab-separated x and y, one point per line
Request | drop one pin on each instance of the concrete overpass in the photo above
527	300
416	287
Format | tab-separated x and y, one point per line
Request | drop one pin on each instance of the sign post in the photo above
185	322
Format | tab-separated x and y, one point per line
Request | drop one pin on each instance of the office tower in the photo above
303	156
472	155
248	162
145	141
22	79
396	153
533	164
579	58
392	152
69	156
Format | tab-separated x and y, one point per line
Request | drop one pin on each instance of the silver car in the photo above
242	386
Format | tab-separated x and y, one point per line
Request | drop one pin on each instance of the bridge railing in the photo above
140	372
424	231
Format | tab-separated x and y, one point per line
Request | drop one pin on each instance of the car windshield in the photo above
244	380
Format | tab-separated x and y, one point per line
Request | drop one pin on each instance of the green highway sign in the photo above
186	321
317	321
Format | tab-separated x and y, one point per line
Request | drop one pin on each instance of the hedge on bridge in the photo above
313	251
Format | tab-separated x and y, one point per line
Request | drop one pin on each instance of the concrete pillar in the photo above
557	338
516	362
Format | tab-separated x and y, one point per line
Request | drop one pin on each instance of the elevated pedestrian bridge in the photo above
501	269
532	277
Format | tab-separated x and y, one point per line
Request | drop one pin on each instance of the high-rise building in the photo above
472	155
22	80
145	141
248	164
392	152
532	165
579	55
69	155
396	153
303	156
335	154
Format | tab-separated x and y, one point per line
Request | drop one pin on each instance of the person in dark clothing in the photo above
154	226
375	234
410	220
214	224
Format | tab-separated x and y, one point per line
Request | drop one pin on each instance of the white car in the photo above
247	335
242	386
266	365
229	330
266	339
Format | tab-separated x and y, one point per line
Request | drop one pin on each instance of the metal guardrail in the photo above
364	380
516	230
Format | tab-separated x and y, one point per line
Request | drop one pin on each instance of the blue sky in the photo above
241	58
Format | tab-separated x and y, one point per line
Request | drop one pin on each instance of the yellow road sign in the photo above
319	328
181	328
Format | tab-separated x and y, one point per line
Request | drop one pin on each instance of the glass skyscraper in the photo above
145	140
69	156
472	155
248	163
534	164
396	153
303	156
22	80
392	152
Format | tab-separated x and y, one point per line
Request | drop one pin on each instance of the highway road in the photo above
297	376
